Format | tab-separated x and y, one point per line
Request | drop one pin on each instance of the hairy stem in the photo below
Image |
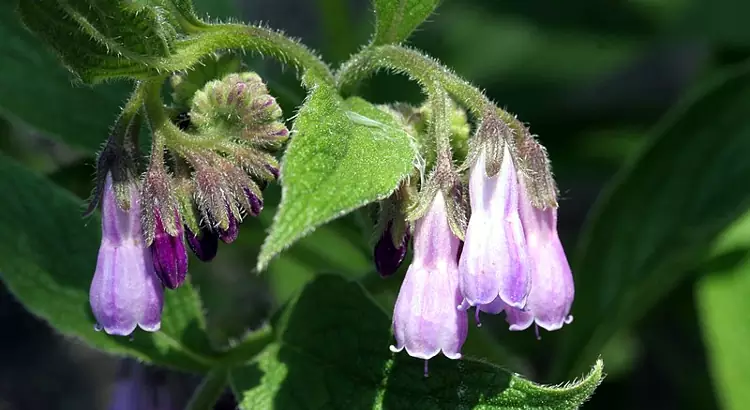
421	69
249	38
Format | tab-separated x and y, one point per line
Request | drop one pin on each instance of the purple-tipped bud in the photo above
273	170
256	203
425	319
389	255
493	261
204	245
230	234
125	292
169	254
552	288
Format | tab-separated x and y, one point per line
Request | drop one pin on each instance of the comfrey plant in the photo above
459	181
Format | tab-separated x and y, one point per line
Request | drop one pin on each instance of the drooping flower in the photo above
493	262
389	253
169	254
425	318
552	289
125	292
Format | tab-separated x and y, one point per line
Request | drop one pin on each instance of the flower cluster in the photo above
204	176
511	261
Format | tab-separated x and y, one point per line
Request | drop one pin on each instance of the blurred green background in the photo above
646	101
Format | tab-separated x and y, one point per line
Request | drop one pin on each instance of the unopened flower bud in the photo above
390	251
204	245
232	231
256	202
169	254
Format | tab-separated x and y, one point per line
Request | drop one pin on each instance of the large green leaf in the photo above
47	261
332	352
396	19
653	223
723	304
343	155
38	90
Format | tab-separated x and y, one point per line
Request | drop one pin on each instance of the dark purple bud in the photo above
256	203
204	245
388	256
169	254
230	234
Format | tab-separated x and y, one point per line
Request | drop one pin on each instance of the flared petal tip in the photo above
116	330
556	325
150	327
425	355
453	355
395	349
127	330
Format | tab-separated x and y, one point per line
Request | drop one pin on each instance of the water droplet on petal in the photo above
98	328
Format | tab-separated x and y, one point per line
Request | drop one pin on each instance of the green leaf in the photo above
343	155
332	352
396	19
38	90
47	261
722	296
109	39
653	223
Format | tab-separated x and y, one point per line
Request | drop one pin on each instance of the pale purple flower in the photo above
125	292
494	262
552	289
425	318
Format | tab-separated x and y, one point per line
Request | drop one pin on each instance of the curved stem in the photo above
248	38
440	126
421	69
164	132
208	392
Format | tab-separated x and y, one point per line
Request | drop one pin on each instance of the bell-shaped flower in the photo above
493	262
552	289
169	254
125	292
425	318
